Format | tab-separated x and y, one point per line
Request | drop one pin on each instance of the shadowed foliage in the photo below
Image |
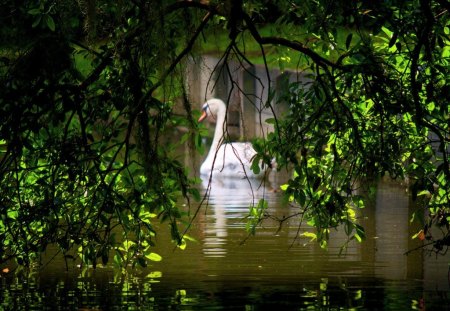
88	98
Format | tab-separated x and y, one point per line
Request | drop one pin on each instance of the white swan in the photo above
225	159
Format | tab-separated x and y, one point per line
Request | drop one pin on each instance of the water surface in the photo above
228	269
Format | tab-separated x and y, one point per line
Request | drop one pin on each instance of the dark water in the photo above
274	270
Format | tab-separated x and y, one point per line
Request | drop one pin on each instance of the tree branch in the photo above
177	60
295	45
190	4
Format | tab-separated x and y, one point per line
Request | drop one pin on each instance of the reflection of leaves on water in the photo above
181	298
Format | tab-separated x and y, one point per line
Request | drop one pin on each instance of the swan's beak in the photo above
203	116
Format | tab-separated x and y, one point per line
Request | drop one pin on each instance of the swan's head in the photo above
212	108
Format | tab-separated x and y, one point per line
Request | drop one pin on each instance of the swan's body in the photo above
226	159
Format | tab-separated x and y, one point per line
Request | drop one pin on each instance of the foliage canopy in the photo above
89	91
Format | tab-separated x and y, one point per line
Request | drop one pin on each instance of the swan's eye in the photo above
205	107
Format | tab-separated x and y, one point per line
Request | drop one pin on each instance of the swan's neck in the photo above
218	133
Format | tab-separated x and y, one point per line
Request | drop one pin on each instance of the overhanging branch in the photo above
295	45
180	56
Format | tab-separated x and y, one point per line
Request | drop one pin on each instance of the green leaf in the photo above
348	226
36	21
118	259
182	245
417	234
310	235
360	234
34	11
255	165
153	256
387	31
198	143
262	204
424	192
12	214
195	194
300	197
154	275
50	22
270	121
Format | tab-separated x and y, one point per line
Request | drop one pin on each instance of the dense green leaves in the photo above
380	110
81	164
91	92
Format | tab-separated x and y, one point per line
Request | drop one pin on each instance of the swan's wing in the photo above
231	160
234	157
243	152
246	152
249	152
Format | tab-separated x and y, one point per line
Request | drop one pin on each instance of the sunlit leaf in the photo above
387	31
420	235
154	275
310	235
182	245
153	256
